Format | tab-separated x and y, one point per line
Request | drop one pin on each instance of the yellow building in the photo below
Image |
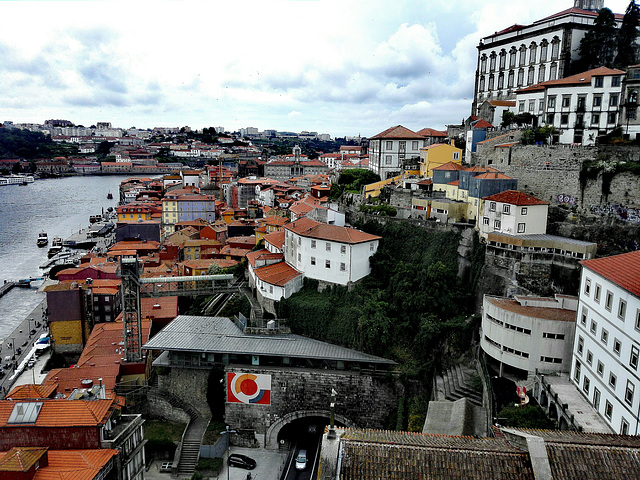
169	215
436	155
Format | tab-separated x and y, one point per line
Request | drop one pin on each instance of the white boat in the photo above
16	179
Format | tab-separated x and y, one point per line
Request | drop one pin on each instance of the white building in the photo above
529	333
607	340
391	149
514	213
328	253
271	278
523	55
581	106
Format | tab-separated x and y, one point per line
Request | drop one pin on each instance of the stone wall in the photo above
363	399
159	407
189	384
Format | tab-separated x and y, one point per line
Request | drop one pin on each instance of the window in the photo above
313	260
270	288
496	224
530	76
593	327
638	319
580	345
343	249
483	64
576	373
624	427
506	209
551	102
604	337
541	72
552	72
328	246
597	101
523	211
532	105
596	398
600	368
543	51
299	240
599	83
615	81
622	309
414	145
613	380
299	257
371	247
585	385
532	53
555	48
387	160
566	101
596	293
520	77
595	118
492	61
313	244
389	145
587	286
583	316
611	117
628	393
589	357
510	79
492	206
608	410
327	264
343	267
564	119
617	346
491	82
512	57
613	100
501	81
609	301
503	59
485	220
633	358
523	55
521	107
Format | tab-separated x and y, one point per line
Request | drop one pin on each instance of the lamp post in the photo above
227	432
331	434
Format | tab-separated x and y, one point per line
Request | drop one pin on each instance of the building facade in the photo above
390	150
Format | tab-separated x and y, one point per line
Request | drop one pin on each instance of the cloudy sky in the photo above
344	67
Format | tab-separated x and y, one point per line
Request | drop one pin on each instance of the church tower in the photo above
593	5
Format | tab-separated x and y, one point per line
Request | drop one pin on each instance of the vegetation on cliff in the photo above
16	143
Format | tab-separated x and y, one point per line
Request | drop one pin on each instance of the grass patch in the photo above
162	436
212	434
213	465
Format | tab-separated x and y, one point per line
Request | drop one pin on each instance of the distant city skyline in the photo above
341	68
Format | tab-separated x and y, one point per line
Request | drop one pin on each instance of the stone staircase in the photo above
190	453
256	309
456	383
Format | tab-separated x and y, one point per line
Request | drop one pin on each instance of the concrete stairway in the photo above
256	309
190	453
455	383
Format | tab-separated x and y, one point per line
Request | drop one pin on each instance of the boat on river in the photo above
43	239
109	196
56	247
16	179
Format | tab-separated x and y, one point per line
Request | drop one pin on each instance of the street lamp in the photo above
227	432
331	435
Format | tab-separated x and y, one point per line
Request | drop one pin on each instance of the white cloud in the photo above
331	66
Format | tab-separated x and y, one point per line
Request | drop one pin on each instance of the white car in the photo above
301	460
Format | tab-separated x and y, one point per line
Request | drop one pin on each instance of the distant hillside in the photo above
15	143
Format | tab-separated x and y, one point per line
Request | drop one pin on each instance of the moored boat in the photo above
43	239
16	179
56	247
109	196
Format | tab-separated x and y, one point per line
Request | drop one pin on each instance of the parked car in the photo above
301	460
242	461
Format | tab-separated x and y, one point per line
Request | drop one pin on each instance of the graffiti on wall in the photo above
565	199
623	212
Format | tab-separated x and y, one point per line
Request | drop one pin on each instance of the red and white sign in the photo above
249	388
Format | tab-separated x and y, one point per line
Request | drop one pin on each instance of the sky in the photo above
345	67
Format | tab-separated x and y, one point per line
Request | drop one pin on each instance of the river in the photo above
60	207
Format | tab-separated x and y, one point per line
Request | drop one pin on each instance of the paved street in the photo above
21	340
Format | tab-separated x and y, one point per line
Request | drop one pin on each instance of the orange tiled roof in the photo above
398	132
493	176
623	270
514	197
583	78
68	379
430	132
75	464
481	169
62	413
263	254
449	166
502	103
21	459
277	274
310	228
32	391
499	136
275	238
482	124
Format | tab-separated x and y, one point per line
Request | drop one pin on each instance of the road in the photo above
21	340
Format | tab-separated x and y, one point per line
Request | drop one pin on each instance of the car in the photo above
242	461
301	460
2	374
18	351
26	342
32	332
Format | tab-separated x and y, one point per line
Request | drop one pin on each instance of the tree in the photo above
508	119
627	37
598	46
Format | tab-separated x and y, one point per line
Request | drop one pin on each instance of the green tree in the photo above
627	35
598	46
508	119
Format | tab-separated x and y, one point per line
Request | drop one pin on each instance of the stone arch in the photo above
271	437
553	411
563	424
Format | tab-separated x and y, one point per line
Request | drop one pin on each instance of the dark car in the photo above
242	461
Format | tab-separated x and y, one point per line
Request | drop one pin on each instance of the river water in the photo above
60	207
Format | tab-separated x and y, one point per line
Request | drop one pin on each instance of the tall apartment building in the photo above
607	340
523	55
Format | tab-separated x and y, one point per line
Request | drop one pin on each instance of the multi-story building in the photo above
390	150
581	107
513	212
606	349
436	155
529	333
523	55
629	102
283	170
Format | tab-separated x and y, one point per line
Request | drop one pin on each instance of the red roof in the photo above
482	124
502	103
277	274
398	132
62	413
310	228
275	238
514	197
493	175
430	132
583	78
623	270
449	166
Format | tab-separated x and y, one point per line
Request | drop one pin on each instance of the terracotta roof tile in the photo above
31	391
310	228
62	413
430	132
493	176
398	132
75	464
21	459
277	274
482	124
449	166
514	197
623	270
275	238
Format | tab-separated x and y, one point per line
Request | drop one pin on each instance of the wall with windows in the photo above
499	217
606	351
386	156
525	335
